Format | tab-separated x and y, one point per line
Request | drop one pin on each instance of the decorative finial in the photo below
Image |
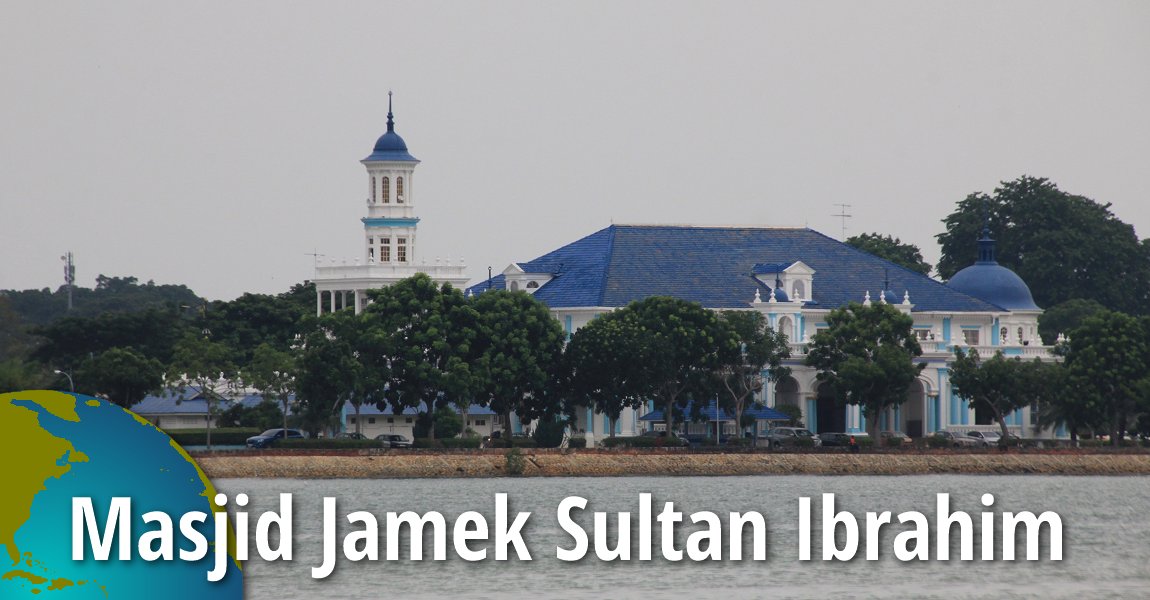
866	299
758	299
906	297
390	117
773	300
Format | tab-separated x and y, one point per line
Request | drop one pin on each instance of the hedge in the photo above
577	442
642	441
221	436
325	444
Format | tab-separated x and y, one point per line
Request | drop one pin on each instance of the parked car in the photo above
349	435
895	435
835	439
781	437
269	437
393	440
985	438
957	440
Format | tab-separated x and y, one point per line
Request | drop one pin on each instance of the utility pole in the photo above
844	216
69	275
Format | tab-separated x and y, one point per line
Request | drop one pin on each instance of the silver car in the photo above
958	440
781	437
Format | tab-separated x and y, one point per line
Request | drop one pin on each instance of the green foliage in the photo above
328	371
517	355
678	350
151	333
419	338
121	375
253	320
463	442
893	249
549	432
448	424
937	441
1066	317
516	464
263	416
111	295
893	442
757	348
577	442
324	444
228	436
866	355
794	413
1000	384
602	365
1108	363
1064	246
642	441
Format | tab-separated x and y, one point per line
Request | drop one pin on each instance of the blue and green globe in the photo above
55	447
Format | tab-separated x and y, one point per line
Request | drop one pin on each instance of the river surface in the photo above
1106	539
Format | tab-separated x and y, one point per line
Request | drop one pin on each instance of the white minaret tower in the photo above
389	227
388	232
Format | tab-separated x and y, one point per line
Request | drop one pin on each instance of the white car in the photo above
985	438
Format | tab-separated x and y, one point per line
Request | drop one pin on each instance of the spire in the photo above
986	243
390	117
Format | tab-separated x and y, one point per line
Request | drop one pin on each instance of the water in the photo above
1106	537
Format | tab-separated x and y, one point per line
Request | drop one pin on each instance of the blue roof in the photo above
169	402
758	411
715	265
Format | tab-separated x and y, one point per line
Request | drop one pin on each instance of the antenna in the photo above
314	257
69	275
844	215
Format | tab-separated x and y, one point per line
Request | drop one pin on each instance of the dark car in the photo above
835	439
781	437
269	437
393	440
349	435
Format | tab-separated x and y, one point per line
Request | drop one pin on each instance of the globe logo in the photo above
56	447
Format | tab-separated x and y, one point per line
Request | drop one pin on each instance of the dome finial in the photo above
390	118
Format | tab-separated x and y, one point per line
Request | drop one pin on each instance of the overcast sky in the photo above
217	144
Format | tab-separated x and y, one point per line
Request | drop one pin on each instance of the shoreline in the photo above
335	464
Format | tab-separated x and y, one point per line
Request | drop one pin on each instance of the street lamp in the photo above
71	384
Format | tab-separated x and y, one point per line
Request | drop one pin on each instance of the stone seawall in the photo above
603	464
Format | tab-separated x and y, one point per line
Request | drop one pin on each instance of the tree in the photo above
867	355
205	365
1107	359
760	349
422	334
152	333
1063	405
328	372
601	362
262	416
517	353
1064	246
270	372
254	319
1065	317
679	351
1003	385
121	375
893	249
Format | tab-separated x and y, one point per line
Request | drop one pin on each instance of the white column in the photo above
331	300
318	303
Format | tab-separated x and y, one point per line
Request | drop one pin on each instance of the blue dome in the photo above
390	146
994	283
991	282
891	297
781	295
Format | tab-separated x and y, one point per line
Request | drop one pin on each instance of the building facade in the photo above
795	277
389	233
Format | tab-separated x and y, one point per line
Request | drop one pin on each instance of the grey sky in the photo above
215	144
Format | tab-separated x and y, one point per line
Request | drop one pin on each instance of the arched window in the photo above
1019	335
399	190
534	284
785	327
798	291
372	199
386	184
515	286
1005	335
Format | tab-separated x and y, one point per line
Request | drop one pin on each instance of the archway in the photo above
787	392
914	410
831	414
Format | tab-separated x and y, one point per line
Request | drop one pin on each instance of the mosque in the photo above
794	276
